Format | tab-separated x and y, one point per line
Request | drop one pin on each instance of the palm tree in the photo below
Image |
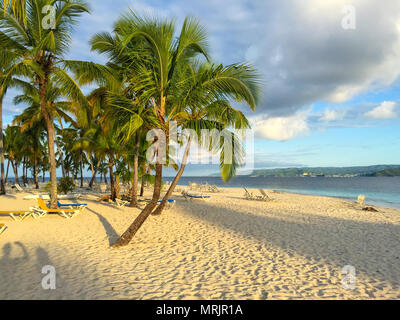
156	58
203	104
161	63
39	54
33	128
6	61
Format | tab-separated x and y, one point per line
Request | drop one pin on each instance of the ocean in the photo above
382	191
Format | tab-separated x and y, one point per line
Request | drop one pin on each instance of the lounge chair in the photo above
121	203
66	213
214	189
361	199
19	215
188	196
264	195
18	187
170	202
250	196
72	205
3	228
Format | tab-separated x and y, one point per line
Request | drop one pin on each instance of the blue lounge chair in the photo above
72	205
169	205
170	201
188	196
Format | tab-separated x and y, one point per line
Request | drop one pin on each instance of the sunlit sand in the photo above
293	247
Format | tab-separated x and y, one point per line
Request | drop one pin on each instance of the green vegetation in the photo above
395	172
66	185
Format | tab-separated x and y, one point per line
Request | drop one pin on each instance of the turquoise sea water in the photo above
383	191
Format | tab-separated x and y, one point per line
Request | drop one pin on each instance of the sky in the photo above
330	72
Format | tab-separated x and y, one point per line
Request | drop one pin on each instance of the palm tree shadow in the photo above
339	241
9	196
110	231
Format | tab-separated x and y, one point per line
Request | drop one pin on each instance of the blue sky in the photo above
331	96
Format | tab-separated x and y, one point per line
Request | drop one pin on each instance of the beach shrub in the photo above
47	187
65	185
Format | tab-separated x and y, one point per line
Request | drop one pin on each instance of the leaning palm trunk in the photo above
2	183
134	193
174	183
135	226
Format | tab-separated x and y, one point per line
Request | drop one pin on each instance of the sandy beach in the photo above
293	247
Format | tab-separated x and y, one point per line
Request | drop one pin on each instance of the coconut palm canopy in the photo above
157	75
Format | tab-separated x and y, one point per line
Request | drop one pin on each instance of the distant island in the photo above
345	172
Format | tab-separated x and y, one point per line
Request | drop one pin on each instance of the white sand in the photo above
225	248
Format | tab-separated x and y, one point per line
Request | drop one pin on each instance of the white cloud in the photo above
281	128
332	115
386	110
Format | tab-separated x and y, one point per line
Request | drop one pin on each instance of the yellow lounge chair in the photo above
3	228
18	215
67	213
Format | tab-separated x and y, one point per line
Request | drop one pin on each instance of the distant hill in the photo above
370	171
395	172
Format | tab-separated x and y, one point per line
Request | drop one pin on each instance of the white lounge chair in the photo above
264	195
361	199
121	203
18	187
250	196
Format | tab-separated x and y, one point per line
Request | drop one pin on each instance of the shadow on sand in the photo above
111	233
339	241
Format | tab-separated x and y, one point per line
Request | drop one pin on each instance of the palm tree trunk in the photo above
48	117
24	172
134	201
81	167
15	169
36	172
128	235
2	181
94	171
8	167
142	184
174	183
113	196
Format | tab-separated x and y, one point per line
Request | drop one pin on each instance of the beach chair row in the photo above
66	210
204	187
